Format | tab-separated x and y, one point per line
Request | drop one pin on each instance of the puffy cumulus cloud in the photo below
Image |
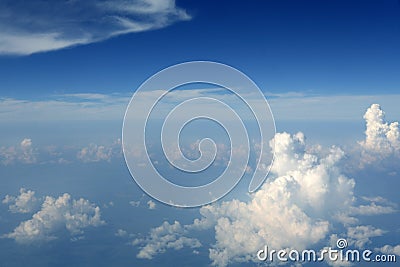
166	236
42	26
388	249
57	213
27	155
94	153
359	236
290	211
24	153
151	204
374	206
382	139
121	233
294	210
8	155
317	178
305	198
24	203
372	209
26	143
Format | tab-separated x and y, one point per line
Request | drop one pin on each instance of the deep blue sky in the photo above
320	47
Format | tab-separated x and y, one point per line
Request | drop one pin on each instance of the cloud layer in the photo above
35	26
98	107
26	153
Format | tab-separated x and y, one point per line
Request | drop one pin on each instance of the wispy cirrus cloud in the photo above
29	27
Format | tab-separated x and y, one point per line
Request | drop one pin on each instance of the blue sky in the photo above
328	47
329	70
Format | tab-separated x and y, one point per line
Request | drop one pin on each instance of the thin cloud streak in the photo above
99	107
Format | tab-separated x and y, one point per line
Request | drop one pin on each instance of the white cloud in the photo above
305	198
372	209
27	154
360	235
166	236
298	207
38	26
382	139
26	143
121	233
375	206
24	203
317	173
8	154
378	199
94	153
388	249
380	136
24	153
151	204
293	210
29	43
85	106
134	203
57	213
